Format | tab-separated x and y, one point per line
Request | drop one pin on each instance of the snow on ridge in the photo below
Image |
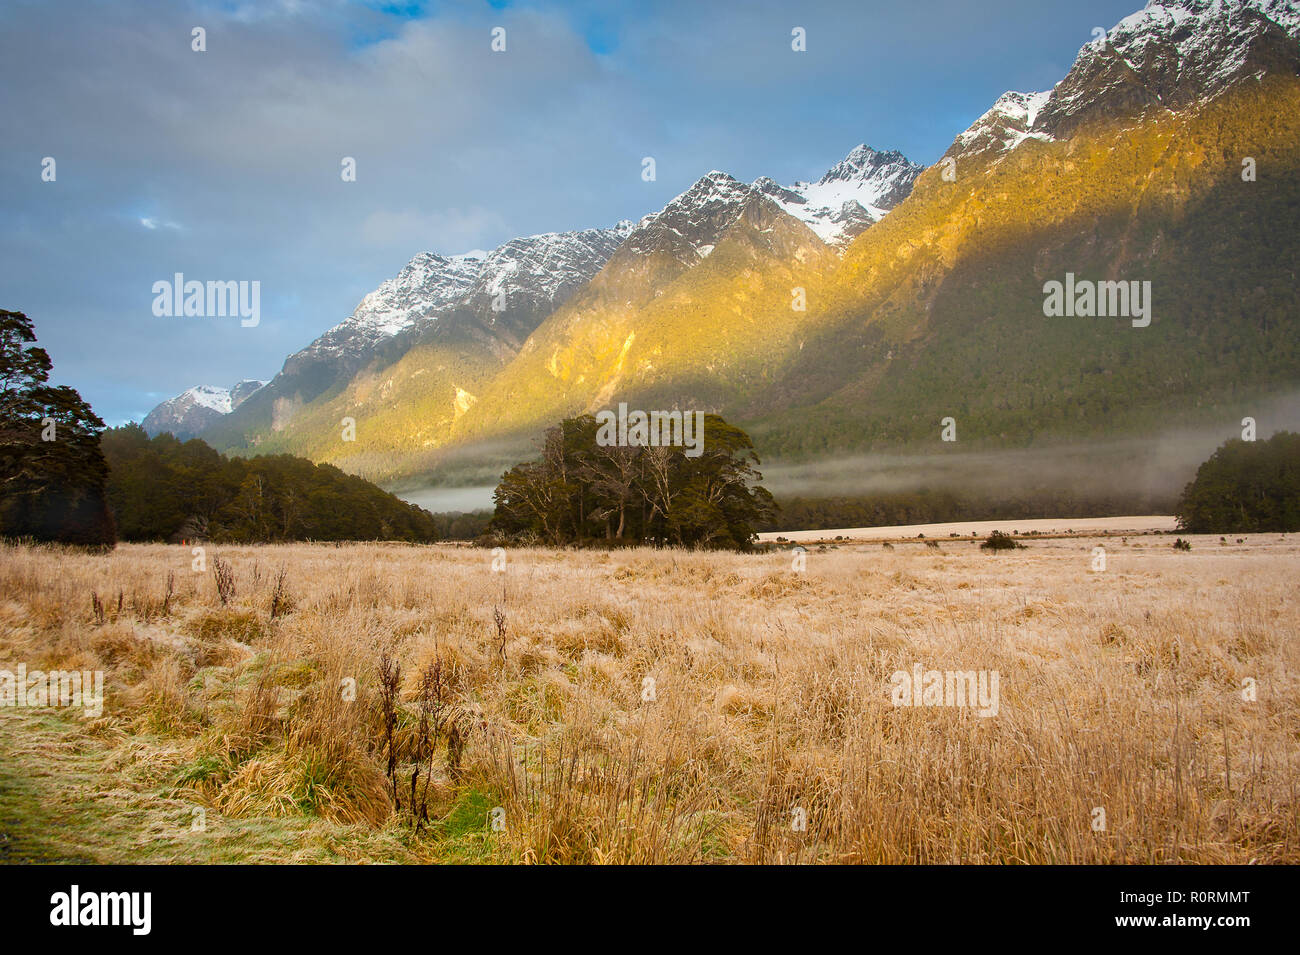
471	255
429	284
1195	29
429	281
216	398
1014	113
856	192
211	397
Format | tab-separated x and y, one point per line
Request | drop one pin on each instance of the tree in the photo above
52	471
580	491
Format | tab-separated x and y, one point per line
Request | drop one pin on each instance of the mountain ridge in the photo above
1113	172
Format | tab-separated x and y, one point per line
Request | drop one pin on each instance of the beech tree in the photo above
581	492
52	472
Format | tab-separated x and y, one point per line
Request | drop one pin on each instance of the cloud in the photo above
408	228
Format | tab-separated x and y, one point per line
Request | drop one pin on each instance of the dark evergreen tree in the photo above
52	472
165	489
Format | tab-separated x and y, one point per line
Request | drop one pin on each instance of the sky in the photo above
226	164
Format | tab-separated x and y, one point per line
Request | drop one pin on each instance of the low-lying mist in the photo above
1154	467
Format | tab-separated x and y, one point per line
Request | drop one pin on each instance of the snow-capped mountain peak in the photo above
1167	56
854	193
191	411
857	191
210	397
689	226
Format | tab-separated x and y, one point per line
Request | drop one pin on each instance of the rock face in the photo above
1164	58
190	413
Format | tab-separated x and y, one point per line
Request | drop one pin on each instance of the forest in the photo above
164	489
1245	487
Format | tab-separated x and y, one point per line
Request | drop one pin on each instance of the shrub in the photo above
1000	541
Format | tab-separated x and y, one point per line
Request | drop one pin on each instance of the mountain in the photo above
1162	59
193	411
697	291
414	356
717	233
1169	154
855	193
854	313
1129	169
479	306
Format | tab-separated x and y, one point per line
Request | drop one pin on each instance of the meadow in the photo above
403	703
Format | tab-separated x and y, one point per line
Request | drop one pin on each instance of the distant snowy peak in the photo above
220	400
541	271
427	283
210	397
857	191
190	412
1167	56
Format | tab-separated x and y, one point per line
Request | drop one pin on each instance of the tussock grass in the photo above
668	706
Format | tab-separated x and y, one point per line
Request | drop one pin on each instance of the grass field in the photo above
657	706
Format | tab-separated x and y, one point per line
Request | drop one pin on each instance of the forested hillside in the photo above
164	489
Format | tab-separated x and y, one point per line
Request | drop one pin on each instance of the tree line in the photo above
929	506
64	478
1245	487
161	488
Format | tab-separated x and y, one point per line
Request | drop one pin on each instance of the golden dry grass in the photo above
1119	690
